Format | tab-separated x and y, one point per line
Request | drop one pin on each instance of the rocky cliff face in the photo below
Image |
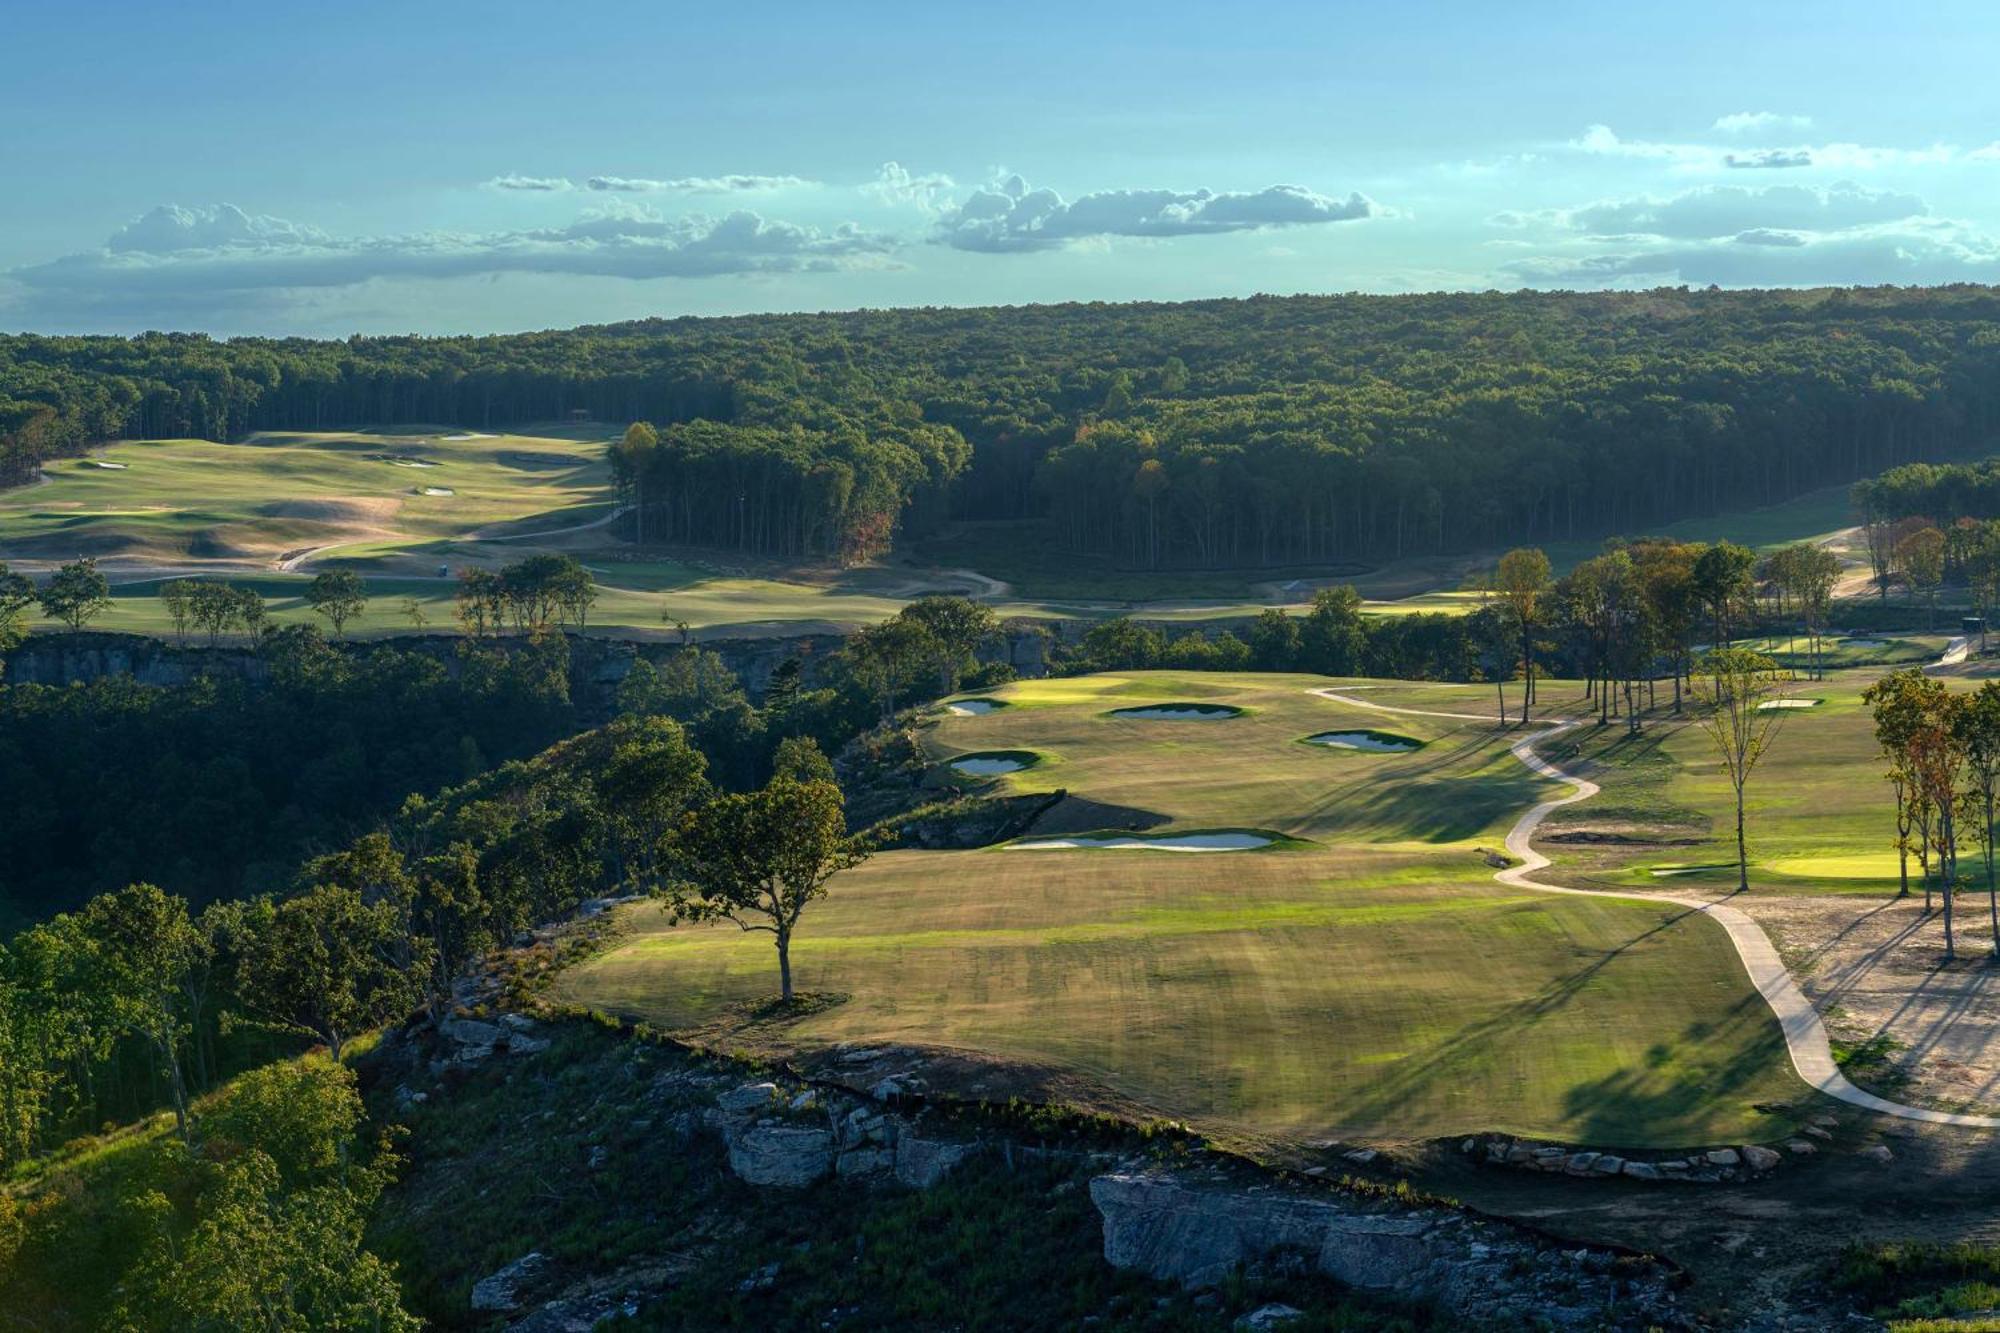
597	663
1198	1228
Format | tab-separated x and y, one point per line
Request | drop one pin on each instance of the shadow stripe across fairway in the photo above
1805	1036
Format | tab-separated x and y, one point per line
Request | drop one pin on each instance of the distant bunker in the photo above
1225	840
974	707
991	763
1773	705
1374	742
1178	713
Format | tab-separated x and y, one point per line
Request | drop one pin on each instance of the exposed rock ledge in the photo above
1176	1226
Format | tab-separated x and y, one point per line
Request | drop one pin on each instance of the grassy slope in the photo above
1375	983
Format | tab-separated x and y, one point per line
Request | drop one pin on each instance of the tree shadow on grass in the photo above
1624	1108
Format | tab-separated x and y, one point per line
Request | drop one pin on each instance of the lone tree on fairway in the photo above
75	594
758	858
1735	683
338	595
1521	582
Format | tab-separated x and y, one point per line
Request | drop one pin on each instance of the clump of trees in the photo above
1943	750
212	606
532	596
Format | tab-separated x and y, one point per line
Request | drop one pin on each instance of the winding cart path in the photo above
1805	1035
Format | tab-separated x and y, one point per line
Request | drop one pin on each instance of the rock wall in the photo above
597	662
1197	1228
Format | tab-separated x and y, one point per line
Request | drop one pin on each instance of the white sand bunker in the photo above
1376	742
987	765
108	467
439	490
973	707
1772	705
1182	842
1179	712
472	435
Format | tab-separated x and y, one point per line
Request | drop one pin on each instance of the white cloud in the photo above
1769	157
1602	141
532	184
1912	252
1725	210
1010	217
696	184
896	184
1748	122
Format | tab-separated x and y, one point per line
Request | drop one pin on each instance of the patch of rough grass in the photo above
1871	1064
1923	1285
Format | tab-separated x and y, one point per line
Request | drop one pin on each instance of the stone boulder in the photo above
1760	1159
922	1163
499	1292
1175	1231
787	1156
750	1099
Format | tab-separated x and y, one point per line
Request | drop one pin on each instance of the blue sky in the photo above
438	167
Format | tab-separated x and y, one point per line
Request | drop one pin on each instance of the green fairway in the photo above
1820	815
168	501
1368	980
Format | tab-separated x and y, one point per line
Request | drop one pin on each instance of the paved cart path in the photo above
1805	1035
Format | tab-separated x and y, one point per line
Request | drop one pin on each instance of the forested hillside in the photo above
1197	435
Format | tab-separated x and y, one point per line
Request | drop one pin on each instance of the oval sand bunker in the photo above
1375	742
1179	712
989	763
1773	705
973	707
1184	842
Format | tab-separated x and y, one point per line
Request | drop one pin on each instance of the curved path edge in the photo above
1805	1035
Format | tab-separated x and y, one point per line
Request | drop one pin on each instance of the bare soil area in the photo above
1876	970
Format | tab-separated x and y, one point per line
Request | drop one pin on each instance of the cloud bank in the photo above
174	251
1783	235
1011	218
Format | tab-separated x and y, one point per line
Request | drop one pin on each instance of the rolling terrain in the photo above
1359	977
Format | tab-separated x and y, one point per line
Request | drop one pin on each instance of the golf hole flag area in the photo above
1337	962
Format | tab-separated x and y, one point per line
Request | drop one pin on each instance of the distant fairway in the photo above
248	512
167	501
1375	983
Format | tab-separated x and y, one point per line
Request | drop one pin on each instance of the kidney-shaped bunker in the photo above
989	763
1178	712
1375	742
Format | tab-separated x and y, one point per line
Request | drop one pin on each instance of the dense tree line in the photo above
1212	433
218	786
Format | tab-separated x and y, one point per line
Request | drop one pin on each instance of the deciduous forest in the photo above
1197	435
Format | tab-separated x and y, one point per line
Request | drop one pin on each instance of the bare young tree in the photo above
1743	692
